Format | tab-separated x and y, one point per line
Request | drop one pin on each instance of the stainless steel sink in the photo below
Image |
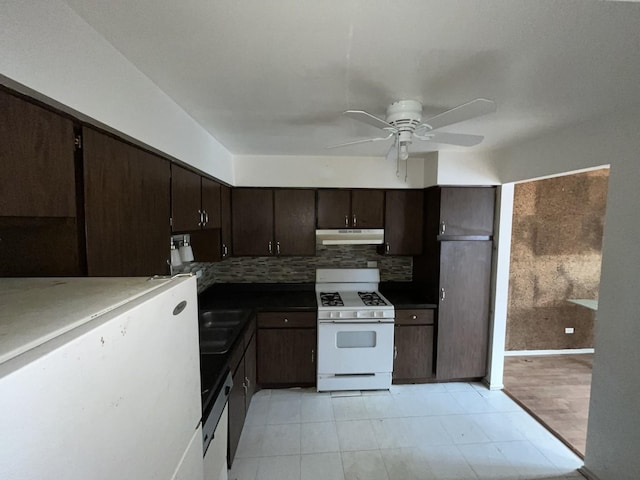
219	329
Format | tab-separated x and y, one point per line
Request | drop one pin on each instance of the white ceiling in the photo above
271	77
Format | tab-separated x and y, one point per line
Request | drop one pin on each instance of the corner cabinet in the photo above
413	346
268	222
287	349
127	208
403	222
350	208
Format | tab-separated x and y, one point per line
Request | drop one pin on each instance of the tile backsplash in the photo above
302	269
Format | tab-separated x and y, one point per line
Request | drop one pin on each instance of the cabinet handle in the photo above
244	386
386	248
413	317
246	379
286	320
200	222
443	227
355	220
225	250
313	356
395	352
443	294
206	217
270	248
346	220
278	248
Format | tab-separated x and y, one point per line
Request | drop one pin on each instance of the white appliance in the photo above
99	379
355	330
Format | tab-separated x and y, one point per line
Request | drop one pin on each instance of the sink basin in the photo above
219	329
221	318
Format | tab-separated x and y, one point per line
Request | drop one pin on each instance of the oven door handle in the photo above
368	321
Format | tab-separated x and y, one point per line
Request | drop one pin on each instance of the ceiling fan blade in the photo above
362	116
460	139
392	154
365	140
466	111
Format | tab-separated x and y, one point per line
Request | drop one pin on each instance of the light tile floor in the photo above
452	431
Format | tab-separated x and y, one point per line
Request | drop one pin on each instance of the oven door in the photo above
355	348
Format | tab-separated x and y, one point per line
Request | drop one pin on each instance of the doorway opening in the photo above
556	249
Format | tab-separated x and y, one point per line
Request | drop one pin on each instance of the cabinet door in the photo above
286	356
367	208
413	353
403	222
185	199
250	371
225	221
252	224
334	208
295	222
463	310
127	208
237	411
466	211
37	158
211	203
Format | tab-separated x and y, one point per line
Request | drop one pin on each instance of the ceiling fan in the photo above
404	123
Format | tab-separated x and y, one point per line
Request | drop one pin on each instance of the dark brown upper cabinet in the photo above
195	201
350	208
127	208
460	211
403	222
225	222
37	158
273	222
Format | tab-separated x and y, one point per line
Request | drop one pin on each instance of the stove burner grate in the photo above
371	299
331	299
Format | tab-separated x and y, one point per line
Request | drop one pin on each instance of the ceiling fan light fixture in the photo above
404	151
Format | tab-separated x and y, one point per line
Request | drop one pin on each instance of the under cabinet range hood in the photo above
350	236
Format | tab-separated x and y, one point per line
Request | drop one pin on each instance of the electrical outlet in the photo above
198	273
569	330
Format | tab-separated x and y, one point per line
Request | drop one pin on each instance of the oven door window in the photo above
356	339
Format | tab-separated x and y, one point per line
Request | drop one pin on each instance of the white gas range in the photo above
355	330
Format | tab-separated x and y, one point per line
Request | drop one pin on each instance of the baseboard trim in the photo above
588	474
566	351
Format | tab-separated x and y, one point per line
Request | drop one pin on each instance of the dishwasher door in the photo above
215	458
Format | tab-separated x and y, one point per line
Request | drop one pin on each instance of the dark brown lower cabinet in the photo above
413	346
463	309
243	366
286	349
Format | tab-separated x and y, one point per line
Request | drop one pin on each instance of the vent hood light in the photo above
362	236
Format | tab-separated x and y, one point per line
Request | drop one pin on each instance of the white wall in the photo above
347	172
47	48
462	168
614	420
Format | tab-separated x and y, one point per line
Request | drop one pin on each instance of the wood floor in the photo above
555	389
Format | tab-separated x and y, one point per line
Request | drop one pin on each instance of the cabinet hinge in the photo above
77	142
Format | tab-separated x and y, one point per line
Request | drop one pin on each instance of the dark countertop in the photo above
296	296
260	296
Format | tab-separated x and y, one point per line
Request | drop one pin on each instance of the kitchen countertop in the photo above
295	296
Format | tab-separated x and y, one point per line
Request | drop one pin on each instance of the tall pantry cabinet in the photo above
455	273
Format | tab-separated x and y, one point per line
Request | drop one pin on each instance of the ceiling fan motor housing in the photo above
405	115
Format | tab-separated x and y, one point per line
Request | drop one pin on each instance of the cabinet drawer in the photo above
287	320
414	317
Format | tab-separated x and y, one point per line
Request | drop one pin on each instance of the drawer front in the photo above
414	317
287	320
